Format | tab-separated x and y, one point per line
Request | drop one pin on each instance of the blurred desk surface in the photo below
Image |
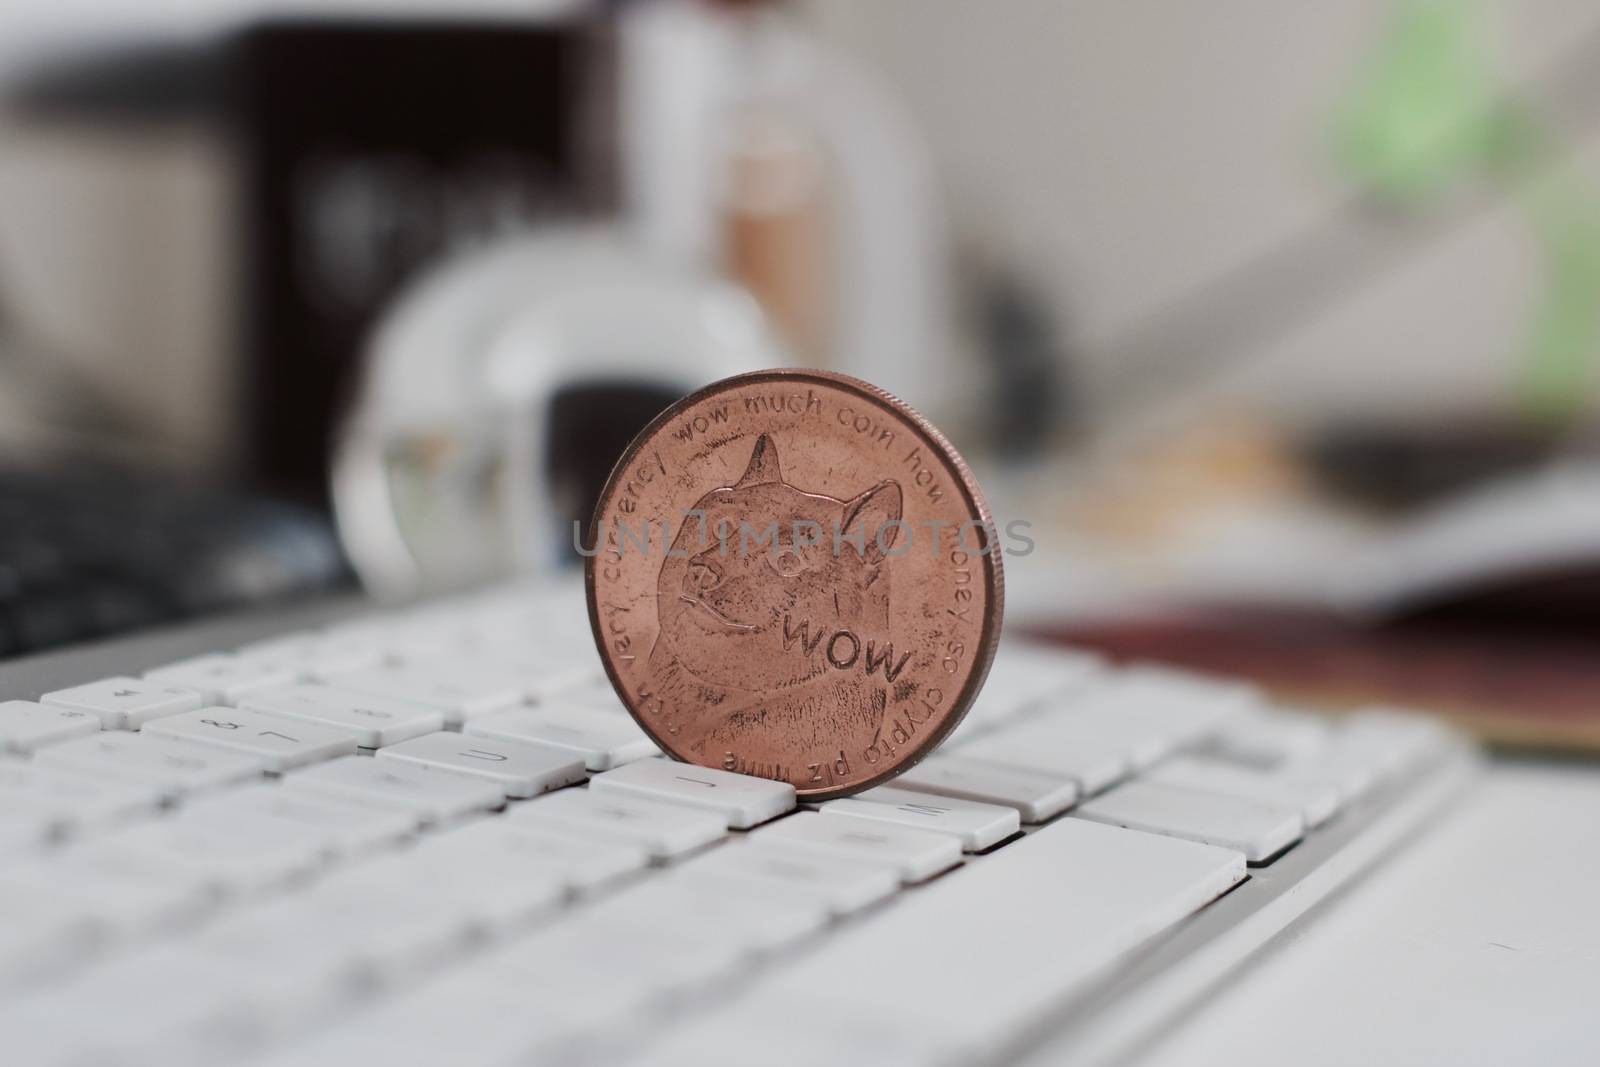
1480	945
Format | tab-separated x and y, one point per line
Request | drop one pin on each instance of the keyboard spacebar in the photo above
990	948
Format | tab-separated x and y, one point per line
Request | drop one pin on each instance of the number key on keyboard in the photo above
25	726
375	720
977	826
433	798
458	693
124	703
602	741
318	655
222	679
742	801
278	742
518	768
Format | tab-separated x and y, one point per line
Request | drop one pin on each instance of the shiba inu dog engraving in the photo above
793	575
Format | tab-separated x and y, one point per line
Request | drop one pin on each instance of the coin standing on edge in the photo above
792	574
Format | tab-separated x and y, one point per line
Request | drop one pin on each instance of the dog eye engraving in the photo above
788	563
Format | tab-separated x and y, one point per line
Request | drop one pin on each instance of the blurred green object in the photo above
1430	114
1565	332
1423	114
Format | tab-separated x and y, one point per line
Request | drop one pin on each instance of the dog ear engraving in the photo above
763	466
877	512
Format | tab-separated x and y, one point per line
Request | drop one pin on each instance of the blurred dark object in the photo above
1518	688
590	426
90	553
1396	467
148	82
1540	601
1025	368
325	161
372	148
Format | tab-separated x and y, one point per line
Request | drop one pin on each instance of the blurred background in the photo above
1280	324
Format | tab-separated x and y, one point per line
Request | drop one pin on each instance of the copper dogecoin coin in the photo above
793	575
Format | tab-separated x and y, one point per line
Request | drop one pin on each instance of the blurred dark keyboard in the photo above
87	554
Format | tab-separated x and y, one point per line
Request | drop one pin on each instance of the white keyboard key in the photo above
39	934
664	831
1038	796
65	802
458	693
278	742
425	1026
591	694
988	974
22	830
1144	733
452	638
601	741
1369	749
580	863
174	767
1067	745
129	1025
241	859
375	720
1315	799
540	660
487	887
917	854
1399	741
124	703
601	969
976	825
1355	768
220	678
1265	738
1179	709
338	827
518	768
755	922
348	930
123	895
433	798
1199	685
318	655
1257	830
25	726
742	801
844	886
1025	676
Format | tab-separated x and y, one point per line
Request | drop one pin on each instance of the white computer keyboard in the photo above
436	837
